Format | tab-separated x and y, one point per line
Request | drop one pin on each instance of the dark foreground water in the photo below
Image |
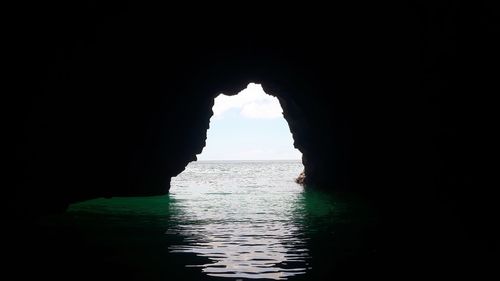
223	220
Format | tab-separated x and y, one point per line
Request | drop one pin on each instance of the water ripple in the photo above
244	225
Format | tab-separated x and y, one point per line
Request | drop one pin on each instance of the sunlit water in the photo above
243	217
236	220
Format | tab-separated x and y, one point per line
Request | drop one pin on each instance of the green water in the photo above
218	232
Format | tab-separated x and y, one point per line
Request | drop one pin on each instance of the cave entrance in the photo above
248	126
239	206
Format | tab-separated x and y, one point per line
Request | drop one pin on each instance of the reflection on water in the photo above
240	220
242	216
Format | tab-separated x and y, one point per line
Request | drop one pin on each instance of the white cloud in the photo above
253	102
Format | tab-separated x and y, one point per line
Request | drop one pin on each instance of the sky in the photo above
248	126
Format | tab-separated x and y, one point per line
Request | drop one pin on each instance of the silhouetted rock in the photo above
114	100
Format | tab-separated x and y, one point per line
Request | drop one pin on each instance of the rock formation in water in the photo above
301	179
114	100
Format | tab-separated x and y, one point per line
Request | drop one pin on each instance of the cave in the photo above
248	126
385	103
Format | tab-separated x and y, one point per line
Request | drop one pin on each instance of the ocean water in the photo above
243	216
226	220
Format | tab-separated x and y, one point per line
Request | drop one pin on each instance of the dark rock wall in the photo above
117	102
384	101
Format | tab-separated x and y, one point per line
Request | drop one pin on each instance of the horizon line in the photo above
198	160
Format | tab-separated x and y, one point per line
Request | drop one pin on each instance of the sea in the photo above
226	220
